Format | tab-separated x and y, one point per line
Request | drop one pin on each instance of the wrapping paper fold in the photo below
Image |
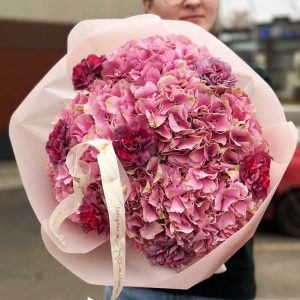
86	255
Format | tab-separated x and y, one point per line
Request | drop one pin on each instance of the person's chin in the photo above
200	21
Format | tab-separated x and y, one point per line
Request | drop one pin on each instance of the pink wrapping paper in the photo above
85	254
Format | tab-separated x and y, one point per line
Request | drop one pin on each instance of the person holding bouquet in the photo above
155	155
238	282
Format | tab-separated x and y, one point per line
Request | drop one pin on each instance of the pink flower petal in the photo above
177	119
150	230
197	156
149	212
84	122
209	186
227	219
155	119
145	91
152	74
241	207
190	142
164	132
177	205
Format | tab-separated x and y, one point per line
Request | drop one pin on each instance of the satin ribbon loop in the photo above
116	187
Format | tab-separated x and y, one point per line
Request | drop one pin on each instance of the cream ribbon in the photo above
115	184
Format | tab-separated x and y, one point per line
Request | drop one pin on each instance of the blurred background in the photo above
33	35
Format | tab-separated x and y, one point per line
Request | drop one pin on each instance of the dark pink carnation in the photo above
255	173
58	142
93	215
87	71
134	144
215	71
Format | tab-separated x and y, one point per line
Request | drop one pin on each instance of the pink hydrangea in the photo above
187	136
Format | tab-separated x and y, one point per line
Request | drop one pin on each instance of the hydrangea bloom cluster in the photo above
187	136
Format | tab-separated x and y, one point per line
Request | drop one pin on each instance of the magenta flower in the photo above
215	72
58	142
134	144
87	71
167	252
93	215
255	173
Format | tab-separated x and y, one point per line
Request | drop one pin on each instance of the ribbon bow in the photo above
115	184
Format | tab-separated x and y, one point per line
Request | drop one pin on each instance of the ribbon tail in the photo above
114	198
62	211
115	185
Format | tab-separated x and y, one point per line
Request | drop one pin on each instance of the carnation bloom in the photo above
167	252
58	142
255	173
93	215
135	144
215	71
87	71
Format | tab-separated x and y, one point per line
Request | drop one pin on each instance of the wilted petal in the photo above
175	142
201	235
241	207
230	157
84	122
167	81
180	223
177	123
219	122
135	220
181	228
209	186
155	119
227	202
210	151
220	138
227	219
177	205
150	230
179	160
154	198
145	91
197	156
149	212
164	132
241	137
152	74
190	142
193	181
219	194
152	164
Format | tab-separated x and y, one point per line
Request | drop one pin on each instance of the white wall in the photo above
68	11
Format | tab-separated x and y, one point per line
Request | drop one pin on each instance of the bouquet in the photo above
165	145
